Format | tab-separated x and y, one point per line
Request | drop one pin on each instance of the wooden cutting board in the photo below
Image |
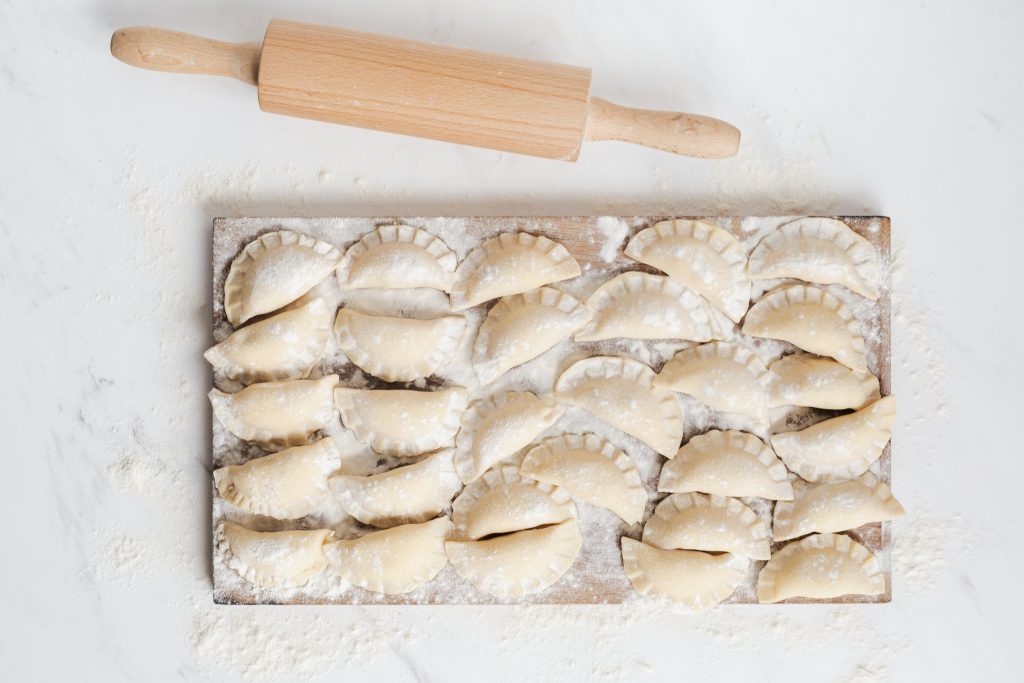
597	243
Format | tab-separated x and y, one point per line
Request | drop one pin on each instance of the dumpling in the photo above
398	257
411	493
398	349
812	319
401	422
835	507
519	328
272	559
511	263
517	564
801	379
725	377
620	391
285	346
276	414
697	580
286	485
392	561
701	256
498	427
839	448
274	270
694	521
641	306
821	566
729	463
502	500
592	470
816	249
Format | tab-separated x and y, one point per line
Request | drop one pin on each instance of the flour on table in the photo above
266	644
137	474
120	558
614	231
918	347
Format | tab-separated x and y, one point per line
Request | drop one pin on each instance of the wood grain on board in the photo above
596	583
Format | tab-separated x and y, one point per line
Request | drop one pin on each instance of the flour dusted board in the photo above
597	243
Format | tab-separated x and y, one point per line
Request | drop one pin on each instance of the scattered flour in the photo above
614	231
270	643
120	558
137	474
918	349
760	181
722	635
922	551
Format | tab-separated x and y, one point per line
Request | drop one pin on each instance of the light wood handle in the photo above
687	134
162	50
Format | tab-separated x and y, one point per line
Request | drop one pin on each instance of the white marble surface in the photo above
109	178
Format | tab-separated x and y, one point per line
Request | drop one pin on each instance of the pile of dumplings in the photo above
487	491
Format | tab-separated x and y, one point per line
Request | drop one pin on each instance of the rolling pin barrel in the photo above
431	91
426	90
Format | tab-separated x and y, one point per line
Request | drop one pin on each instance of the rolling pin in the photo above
430	91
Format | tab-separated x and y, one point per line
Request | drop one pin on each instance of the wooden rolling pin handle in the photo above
687	134
162	50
